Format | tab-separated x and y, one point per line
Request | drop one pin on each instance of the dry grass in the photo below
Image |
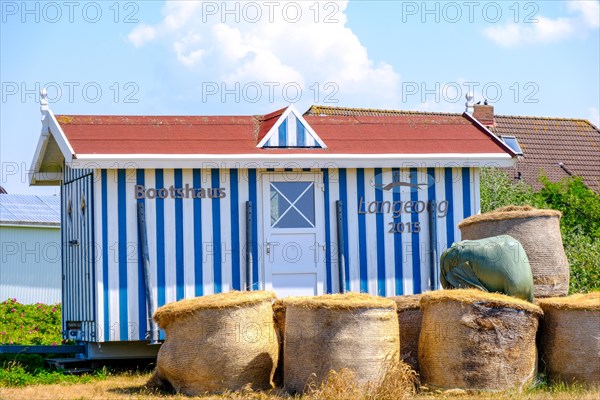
399	382
279	314
407	302
470	296
168	313
346	301
131	386
582	302
509	212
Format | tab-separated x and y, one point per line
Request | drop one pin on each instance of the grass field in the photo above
131	386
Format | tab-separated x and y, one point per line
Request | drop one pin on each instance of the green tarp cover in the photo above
495	264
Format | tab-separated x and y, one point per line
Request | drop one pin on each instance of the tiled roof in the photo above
23	209
549	142
546	142
317	110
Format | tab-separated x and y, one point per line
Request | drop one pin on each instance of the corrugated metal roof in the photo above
25	209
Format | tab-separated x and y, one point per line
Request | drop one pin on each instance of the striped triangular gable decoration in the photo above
291	131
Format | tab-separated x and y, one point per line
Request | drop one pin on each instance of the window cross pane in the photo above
292	204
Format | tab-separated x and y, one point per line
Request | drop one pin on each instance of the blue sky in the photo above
537	58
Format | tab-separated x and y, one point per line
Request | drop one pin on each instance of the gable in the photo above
291	131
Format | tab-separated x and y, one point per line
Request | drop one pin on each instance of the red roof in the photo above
554	147
343	134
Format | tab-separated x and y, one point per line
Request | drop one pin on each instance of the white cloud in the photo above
239	47
187	50
589	11
141	35
585	18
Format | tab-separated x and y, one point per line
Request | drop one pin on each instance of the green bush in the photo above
584	260
579	205
37	324
579	225
498	190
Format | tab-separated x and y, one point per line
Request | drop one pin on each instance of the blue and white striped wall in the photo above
197	246
194	244
391	264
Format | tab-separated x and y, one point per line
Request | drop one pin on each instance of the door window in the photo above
292	204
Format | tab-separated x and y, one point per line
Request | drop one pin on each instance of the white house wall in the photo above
197	246
30	267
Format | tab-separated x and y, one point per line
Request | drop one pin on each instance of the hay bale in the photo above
539	233
569	339
218	343
475	340
409	320
355	331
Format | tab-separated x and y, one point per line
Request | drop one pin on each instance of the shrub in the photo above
579	205
580	224
37	324
498	190
583	253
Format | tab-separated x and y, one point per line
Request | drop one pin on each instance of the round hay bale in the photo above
218	343
569	339
409	320
475	340
355	331
539	233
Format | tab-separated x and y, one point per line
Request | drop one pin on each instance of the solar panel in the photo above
20	208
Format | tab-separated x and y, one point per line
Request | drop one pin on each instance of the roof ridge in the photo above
544	118
316	108
271	115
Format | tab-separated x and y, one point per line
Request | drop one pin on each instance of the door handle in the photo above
268	246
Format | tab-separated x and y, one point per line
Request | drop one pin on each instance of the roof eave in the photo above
29	224
291	160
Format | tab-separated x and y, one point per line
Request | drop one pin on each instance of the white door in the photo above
293	231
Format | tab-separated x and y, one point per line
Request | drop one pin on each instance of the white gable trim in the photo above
50	126
274	131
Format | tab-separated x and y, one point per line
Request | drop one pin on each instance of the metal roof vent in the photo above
469	104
